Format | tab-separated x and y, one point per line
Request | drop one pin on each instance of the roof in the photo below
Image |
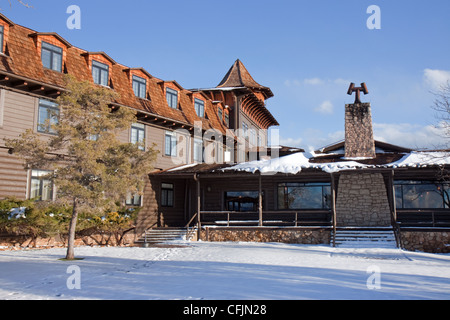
238	77
295	163
23	62
380	146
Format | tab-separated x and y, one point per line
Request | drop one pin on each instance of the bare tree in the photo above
441	105
22	3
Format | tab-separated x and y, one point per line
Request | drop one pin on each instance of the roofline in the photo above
54	34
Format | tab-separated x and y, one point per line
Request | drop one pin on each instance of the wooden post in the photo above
394	201
199	222
260	204
333	207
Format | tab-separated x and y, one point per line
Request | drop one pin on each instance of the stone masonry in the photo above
359	140
362	201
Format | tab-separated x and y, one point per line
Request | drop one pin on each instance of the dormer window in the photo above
100	73
220	114
200	108
172	98
2	37
140	87
52	56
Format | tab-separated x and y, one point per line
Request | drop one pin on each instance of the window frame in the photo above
101	67
402	205
52	50
170	141
51	107
227	119
173	94
41	177
283	204
167	195
2	39
198	151
133	200
255	203
139	129
199	106
141	83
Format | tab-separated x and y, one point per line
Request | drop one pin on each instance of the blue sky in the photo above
307	52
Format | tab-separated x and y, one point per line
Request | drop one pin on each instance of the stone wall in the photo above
362	201
426	241
283	235
359	140
26	242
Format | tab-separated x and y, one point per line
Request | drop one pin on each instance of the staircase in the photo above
162	236
365	238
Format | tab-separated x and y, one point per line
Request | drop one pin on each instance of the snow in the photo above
422	159
295	163
225	271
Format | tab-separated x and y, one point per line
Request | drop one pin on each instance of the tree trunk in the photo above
73	225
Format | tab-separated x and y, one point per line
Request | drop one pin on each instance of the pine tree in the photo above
92	170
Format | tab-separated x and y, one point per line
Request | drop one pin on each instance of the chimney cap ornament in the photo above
357	90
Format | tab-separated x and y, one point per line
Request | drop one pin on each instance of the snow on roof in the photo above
422	159
295	163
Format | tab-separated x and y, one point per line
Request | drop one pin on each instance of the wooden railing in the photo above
432	218
269	218
190	230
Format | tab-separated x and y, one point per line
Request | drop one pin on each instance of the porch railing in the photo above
269	218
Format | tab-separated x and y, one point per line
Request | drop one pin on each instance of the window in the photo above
422	195
245	129
220	114
51	56
294	196
167	195
138	135
199	108
260	144
134	200
198	150
242	201
170	144
41	185
172	98
140	87
47	116
100	73
2	37
227	119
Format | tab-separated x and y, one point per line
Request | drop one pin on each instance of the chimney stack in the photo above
359	141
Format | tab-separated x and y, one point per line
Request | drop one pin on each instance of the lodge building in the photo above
214	174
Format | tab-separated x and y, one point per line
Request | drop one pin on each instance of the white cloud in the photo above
412	135
291	142
325	108
436	78
313	81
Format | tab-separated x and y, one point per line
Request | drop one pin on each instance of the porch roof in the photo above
300	162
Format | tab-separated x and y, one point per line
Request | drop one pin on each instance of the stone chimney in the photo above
359	141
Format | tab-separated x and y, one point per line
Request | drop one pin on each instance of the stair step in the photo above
162	235
376	238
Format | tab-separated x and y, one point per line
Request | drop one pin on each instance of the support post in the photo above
333	208
199	222
260	204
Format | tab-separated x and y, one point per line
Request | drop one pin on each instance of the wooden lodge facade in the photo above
181	123
215	173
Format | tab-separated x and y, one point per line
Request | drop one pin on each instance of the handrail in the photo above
297	214
189	229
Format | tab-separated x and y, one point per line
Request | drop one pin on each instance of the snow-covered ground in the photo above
225	271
